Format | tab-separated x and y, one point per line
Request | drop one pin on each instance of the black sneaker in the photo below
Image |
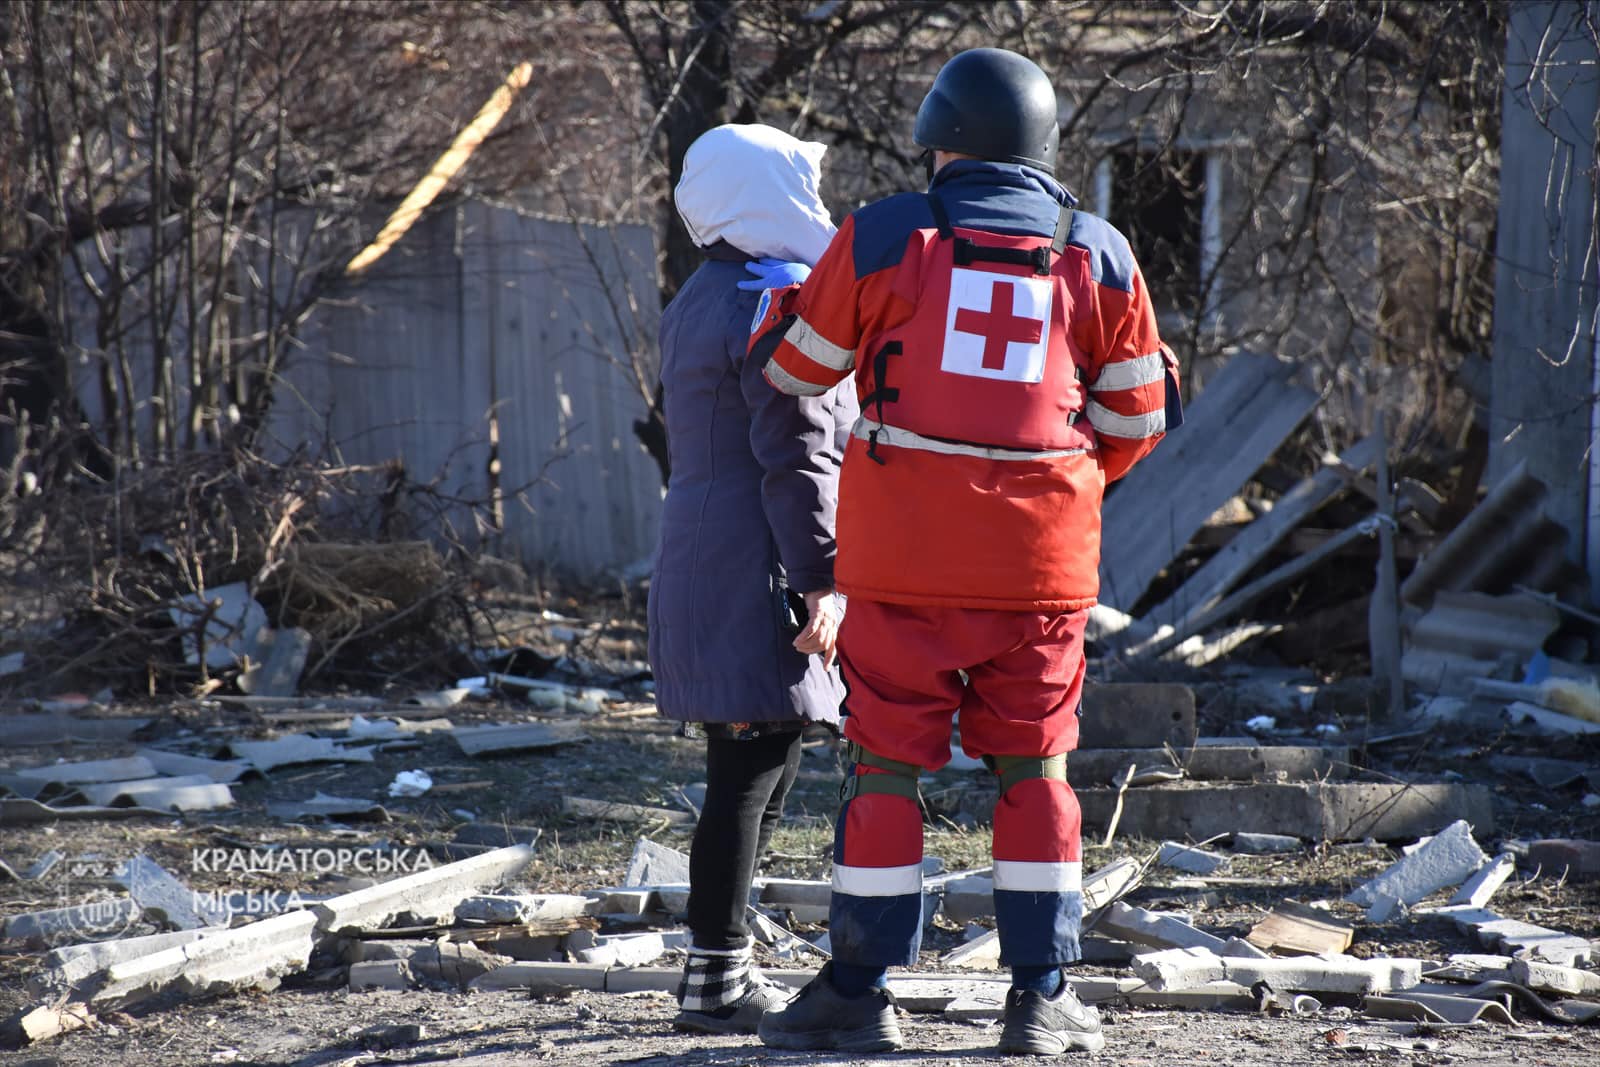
819	1017
740	1017
1037	1025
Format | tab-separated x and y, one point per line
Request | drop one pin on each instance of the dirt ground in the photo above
632	756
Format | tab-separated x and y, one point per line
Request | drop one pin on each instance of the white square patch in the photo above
998	326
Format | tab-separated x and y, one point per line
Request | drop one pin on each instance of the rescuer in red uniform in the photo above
1006	357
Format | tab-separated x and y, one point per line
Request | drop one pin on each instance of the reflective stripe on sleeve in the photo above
1130	373
788	383
1024	877
894	435
1109	423
877	881
817	347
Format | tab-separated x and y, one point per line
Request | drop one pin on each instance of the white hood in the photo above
756	188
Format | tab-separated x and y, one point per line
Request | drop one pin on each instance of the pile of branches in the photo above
95	573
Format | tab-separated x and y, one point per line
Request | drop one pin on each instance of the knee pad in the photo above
899	779
1014	769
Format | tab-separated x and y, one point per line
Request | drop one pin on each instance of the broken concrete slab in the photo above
786	892
496	835
544	978
1144	927
1246	762
1332	811
1294	929
454	964
1548	773
1471	967
126	769
225	772
517	737
67	968
1181	857
1551	978
1481	887
1266	844
17	731
164	897
523	908
618	950
982	951
425	894
254	956
1183	968
621	902
68	925
1136	715
1109	883
323	806
1448	859
653	863
1516	938
372	975
187	793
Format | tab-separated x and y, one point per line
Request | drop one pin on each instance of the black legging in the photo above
746	782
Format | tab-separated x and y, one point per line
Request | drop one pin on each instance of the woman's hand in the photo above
821	633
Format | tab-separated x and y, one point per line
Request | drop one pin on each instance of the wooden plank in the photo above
1225	569
1293	929
1234	426
1137	715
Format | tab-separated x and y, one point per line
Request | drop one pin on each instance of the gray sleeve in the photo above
794	440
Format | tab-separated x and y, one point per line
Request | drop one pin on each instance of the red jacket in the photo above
1002	385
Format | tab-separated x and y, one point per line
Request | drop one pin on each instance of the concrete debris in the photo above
426	895
1551	978
393	975
982	951
68	968
1447	860
1575	859
1152	928
523	908
453	965
1293	929
1516	938
1317	811
1482	886
623	950
1185	968
292	749
1265	844
1188	858
519	737
1136	715
655	864
254	956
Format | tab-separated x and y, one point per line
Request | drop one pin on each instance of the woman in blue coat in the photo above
742	611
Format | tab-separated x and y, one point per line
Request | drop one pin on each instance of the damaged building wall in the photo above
1544	407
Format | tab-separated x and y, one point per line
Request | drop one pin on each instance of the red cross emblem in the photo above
999	326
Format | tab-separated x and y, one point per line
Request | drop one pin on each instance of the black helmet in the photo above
993	104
